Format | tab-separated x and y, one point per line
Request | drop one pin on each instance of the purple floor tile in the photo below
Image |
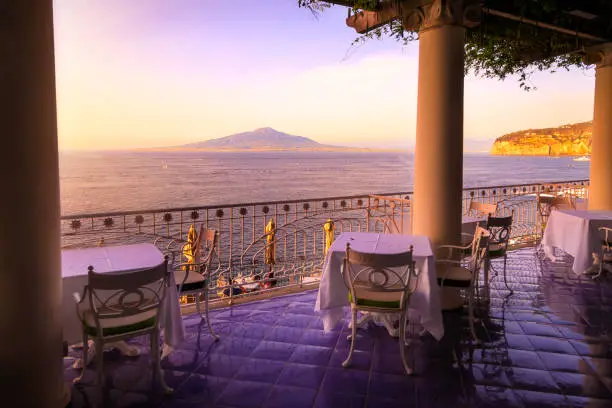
536	351
528	379
294	397
399	387
495	397
251	330
266	317
139	378
284	334
237	346
306	309
200	389
361	360
244	394
564	362
339	400
271	350
490	375
221	365
381	402
302	375
182	360
541	343
345	380
314	355
534	399
391	363
518	341
294	320
260	370
233	313
539	329
525	359
319	338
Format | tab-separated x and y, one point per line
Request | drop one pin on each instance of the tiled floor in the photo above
546	345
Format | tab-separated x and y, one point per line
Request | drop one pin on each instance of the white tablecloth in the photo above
333	294
575	232
108	260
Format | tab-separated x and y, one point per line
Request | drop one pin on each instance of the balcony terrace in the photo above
546	345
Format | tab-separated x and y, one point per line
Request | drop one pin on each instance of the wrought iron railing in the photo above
299	241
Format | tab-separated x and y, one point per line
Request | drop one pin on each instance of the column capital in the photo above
600	56
465	13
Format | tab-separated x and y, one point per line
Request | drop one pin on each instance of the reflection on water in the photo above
116	181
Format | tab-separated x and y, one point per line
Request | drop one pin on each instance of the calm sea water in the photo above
121	181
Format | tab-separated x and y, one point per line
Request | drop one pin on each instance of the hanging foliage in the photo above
496	48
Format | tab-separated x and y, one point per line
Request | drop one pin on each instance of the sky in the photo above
153	73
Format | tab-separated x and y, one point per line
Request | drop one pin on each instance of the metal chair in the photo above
499	229
605	258
481	209
118	306
193	278
462	272
377	284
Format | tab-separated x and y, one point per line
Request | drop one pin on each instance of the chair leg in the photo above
505	279
100	365
85	353
352	337
212	333
402	342
197	296
471	314
156	363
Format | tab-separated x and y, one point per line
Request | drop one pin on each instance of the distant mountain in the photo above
566	140
264	138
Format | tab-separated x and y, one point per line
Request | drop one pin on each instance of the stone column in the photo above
438	173
30	278
600	191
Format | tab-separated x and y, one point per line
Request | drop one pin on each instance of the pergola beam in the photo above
366	21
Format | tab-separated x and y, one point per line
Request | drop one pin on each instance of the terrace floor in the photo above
548	344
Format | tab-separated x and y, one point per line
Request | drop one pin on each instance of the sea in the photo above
114	181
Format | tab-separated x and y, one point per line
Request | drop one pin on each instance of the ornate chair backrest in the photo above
481	209
380	272
480	246
499	229
127	294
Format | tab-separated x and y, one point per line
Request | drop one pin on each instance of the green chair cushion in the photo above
118	330
385	304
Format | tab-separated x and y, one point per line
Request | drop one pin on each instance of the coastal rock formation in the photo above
567	140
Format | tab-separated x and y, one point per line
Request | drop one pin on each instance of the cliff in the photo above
567	140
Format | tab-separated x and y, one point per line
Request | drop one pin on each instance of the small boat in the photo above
582	159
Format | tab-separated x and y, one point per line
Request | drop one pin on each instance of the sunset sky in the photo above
148	73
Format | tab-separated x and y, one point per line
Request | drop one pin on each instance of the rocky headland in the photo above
566	140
